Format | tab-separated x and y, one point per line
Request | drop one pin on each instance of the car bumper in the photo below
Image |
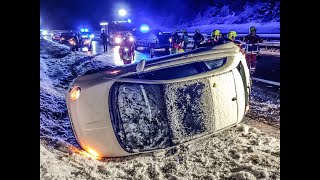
91	123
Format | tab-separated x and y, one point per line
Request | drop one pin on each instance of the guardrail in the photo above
270	40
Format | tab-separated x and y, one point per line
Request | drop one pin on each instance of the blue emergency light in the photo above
144	28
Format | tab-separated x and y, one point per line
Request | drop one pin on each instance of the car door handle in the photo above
233	99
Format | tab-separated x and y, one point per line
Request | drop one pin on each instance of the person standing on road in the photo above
152	41
252	48
76	41
185	38
231	37
216	37
104	38
198	38
174	41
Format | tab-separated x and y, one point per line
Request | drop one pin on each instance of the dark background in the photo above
73	14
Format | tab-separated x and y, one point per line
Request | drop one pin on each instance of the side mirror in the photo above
140	65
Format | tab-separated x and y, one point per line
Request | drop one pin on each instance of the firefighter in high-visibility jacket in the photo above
231	37
252	48
216	37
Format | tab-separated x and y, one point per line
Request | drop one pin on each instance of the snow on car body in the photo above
172	100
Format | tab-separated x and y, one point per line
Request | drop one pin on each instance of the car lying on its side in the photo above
161	103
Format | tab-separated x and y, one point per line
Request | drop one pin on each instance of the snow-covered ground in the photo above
250	150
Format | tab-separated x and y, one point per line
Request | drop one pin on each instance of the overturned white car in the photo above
161	103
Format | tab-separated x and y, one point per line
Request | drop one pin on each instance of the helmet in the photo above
232	34
197	31
253	29
216	33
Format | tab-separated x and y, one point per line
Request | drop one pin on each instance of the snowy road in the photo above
248	151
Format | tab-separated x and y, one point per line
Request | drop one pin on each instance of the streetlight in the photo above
122	12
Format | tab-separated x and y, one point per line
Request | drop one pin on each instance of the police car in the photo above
144	38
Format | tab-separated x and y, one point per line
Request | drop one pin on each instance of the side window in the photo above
215	64
171	73
180	71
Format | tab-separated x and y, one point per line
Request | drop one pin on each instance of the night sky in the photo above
72	14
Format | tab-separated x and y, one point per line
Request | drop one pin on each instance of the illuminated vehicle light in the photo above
91	36
75	93
118	40
88	153
131	39
72	42
126	49
44	32
144	28
113	72
92	152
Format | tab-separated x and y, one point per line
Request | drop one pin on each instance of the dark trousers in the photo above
105	47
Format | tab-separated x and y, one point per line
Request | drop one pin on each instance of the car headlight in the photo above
72	42
44	32
75	93
131	38
62	38
118	40
170	39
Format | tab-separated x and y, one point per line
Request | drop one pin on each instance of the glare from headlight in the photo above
118	40
62	38
131	39
44	32
75	93
170	39
92	152
126	49
72	42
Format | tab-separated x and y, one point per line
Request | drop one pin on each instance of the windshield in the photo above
121	27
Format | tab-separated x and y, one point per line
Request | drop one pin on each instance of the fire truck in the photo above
117	30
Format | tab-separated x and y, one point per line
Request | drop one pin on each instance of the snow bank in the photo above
238	153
